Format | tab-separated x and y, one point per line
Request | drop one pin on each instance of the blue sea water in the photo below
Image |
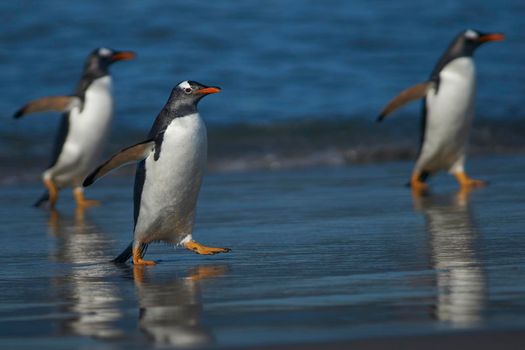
278	62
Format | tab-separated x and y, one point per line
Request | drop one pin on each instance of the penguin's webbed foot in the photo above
476	183
83	203
418	187
204	250
52	191
143	262
137	257
466	182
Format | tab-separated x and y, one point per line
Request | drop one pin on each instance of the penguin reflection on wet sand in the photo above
461	279
448	110
90	296
169	175
170	310
83	129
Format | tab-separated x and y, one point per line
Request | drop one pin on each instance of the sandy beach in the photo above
331	256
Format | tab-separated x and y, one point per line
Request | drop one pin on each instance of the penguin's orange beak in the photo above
208	90
123	56
491	37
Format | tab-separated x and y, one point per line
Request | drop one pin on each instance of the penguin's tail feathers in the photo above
43	198
125	255
128	253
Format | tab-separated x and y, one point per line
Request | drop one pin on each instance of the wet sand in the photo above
331	257
455	341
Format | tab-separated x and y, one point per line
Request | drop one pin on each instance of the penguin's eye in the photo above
188	90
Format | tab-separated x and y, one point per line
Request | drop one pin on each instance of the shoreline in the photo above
28	171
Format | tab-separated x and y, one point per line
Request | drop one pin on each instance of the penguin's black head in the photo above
469	40
190	92
101	58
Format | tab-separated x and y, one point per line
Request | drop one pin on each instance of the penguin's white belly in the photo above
87	134
172	183
449	116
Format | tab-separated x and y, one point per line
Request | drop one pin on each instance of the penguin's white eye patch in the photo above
188	90
104	52
185	85
470	34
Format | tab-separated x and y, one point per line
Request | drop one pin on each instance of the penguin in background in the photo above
448	111
84	126
168	178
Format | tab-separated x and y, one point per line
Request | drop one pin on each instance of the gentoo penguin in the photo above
84	126
448	110
168	177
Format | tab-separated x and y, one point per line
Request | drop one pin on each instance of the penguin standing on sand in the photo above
169	175
448	110
83	129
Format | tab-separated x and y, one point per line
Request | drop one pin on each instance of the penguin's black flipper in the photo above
43	198
128	253
128	155
412	93
50	103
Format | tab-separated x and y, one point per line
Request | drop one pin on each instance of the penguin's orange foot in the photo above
82	202
53	192
466	182
137	258
204	250
144	262
418	187
476	183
